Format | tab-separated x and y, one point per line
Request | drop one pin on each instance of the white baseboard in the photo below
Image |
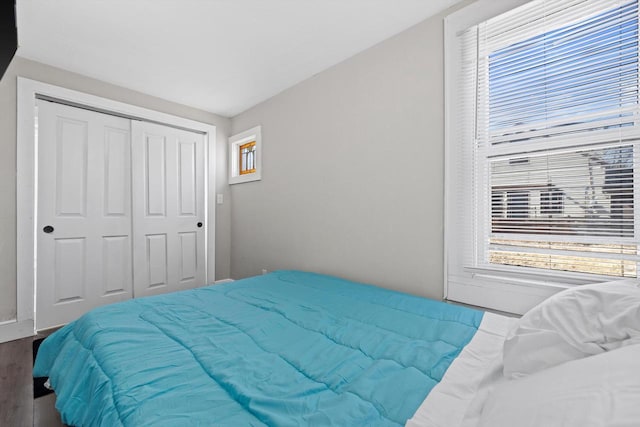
221	281
15	330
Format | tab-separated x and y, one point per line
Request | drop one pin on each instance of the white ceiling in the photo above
222	56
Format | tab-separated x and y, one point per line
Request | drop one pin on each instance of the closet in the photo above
120	210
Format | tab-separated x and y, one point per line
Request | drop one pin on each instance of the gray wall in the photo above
352	171
36	71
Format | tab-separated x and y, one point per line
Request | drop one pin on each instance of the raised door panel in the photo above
117	186
155	176
70	278
188	257
116	255
187	179
71	141
156	260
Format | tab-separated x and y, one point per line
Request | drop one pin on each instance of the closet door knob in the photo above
199	225
48	229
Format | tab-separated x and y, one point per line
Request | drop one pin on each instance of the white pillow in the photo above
601	390
572	324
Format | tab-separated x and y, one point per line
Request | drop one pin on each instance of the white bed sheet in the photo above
458	399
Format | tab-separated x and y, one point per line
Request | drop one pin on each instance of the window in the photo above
551	201
247	163
543	156
245	156
518	204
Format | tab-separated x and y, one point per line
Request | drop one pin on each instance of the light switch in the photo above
220	199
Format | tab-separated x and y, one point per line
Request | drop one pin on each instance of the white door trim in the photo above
26	191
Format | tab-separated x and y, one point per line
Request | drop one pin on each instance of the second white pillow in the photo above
596	391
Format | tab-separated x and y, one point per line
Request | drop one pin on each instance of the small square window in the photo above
245	156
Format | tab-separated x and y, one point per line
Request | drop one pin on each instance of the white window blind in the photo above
545	145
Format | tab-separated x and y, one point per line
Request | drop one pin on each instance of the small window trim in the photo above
253	135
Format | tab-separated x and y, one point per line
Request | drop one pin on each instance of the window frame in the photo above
498	287
236	143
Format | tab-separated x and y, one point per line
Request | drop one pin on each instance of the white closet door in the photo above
168	210
84	212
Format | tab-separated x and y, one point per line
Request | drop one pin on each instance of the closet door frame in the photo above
26	185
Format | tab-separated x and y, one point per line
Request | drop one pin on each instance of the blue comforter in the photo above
285	349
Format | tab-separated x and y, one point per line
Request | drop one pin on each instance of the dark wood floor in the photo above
18	408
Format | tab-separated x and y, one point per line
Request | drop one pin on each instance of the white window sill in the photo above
245	178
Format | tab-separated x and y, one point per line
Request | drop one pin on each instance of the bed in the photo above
283	349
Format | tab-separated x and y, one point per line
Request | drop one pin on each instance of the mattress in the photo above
287	348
